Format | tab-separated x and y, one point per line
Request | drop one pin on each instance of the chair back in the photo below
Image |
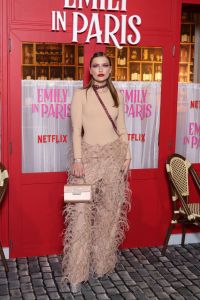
3	181
178	169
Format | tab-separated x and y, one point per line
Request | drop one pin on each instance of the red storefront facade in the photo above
31	217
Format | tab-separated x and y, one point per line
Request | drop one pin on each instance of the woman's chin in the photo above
100	80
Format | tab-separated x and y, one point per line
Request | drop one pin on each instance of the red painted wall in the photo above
149	217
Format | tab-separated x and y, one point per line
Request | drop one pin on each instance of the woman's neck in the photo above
100	87
100	84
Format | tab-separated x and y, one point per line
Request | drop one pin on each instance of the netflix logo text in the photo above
137	137
52	138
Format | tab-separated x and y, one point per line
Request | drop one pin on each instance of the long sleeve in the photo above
121	126
76	117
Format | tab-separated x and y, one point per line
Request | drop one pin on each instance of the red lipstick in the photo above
100	75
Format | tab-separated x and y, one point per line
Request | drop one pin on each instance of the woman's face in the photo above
100	69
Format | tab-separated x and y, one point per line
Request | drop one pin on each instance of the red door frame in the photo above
4	151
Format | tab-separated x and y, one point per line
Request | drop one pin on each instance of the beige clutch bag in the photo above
74	193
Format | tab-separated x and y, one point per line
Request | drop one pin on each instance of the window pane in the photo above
50	73
137	73
188	104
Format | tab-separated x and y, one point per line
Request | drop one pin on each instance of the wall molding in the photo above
6	252
175	239
190	238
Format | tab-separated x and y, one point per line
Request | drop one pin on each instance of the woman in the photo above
102	156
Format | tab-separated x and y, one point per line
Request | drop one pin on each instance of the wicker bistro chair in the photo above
3	188
184	213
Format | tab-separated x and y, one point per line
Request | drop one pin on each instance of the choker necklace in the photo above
97	87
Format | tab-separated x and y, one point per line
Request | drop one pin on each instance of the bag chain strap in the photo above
106	111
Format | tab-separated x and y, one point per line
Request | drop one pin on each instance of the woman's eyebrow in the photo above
98	64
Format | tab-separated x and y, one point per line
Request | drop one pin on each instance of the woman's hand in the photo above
125	166
78	169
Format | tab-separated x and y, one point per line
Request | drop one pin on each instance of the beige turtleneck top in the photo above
88	112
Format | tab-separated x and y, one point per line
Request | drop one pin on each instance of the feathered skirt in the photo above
95	230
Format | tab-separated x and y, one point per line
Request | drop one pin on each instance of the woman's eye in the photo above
102	66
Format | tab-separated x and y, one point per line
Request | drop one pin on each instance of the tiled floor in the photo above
140	274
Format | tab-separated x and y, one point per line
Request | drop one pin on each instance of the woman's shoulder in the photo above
79	94
79	91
